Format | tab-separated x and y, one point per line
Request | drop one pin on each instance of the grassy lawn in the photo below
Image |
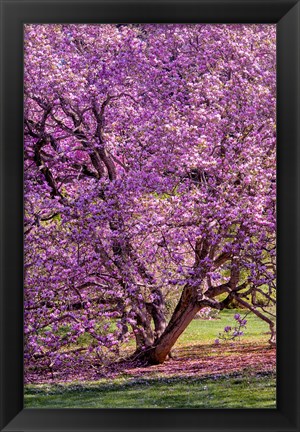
200	375
206	331
239	391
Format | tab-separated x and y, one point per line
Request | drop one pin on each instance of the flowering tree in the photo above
149	177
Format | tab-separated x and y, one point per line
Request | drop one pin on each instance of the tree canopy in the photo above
150	178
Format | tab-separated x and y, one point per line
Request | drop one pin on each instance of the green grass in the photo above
235	391
206	331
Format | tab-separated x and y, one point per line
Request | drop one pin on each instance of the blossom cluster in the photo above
233	332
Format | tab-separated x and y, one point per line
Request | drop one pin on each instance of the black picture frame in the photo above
286	14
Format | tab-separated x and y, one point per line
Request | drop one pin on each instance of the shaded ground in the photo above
199	361
192	361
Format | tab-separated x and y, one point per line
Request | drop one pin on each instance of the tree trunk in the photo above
185	311
144	336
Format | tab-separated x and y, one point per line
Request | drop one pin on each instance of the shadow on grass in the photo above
219	391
